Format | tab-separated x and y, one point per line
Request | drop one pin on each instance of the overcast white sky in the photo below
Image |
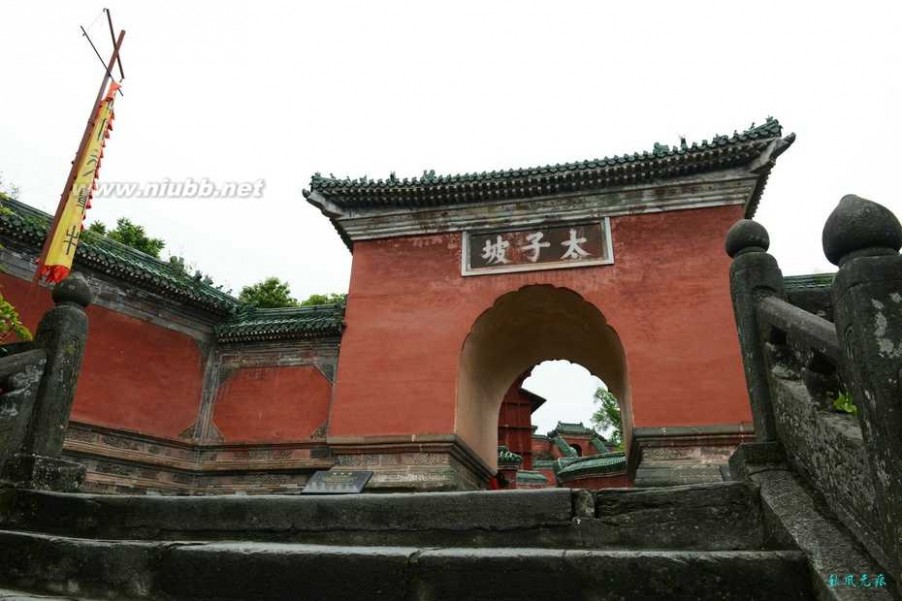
243	91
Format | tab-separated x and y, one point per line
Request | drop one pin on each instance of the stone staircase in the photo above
692	542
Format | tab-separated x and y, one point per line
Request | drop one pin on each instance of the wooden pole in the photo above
82	147
109	19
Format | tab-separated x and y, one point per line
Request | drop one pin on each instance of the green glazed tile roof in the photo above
662	162
531	477
599	443
596	464
562	445
571	428
815	280
283	324
29	226
507	456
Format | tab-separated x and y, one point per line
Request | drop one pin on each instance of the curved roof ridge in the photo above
771	128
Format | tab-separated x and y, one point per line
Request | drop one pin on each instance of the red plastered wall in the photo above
272	404
666	295
136	376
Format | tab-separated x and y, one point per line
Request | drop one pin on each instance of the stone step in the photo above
226	571
722	516
11	595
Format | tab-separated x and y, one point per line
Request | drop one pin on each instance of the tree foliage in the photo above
130	234
271	293
607	416
324	299
10	322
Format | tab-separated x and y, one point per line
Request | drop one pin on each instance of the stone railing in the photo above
37	381
797	364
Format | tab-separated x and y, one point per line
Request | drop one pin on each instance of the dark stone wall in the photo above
828	450
128	463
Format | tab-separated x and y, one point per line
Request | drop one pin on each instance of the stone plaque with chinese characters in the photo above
542	247
337	482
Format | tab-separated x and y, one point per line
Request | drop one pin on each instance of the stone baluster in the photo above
62	334
863	238
754	275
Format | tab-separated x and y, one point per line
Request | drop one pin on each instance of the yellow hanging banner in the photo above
58	261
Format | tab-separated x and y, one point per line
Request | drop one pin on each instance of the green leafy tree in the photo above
97	228
607	416
10	321
332	298
271	293
130	234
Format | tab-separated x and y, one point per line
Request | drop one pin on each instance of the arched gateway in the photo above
461	283
522	329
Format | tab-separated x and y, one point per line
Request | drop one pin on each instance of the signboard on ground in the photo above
337	482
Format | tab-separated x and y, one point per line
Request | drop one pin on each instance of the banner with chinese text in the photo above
61	250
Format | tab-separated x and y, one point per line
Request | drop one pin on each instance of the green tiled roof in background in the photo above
531	477
571	428
562	446
599	443
596	464
662	162
29	226
280	324
547	464
814	280
507	456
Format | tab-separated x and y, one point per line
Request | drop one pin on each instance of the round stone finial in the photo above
73	290
746	235
858	224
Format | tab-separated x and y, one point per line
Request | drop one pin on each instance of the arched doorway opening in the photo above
522	329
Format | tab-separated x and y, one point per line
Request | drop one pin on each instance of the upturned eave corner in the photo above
332	211
762	166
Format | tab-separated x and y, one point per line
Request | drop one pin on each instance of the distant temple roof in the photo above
662	162
531	477
562	445
572	428
815	280
506	456
595	464
535	399
599	443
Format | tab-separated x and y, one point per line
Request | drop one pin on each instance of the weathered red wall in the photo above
549	475
272	404
515	423
541	446
136	376
667	296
